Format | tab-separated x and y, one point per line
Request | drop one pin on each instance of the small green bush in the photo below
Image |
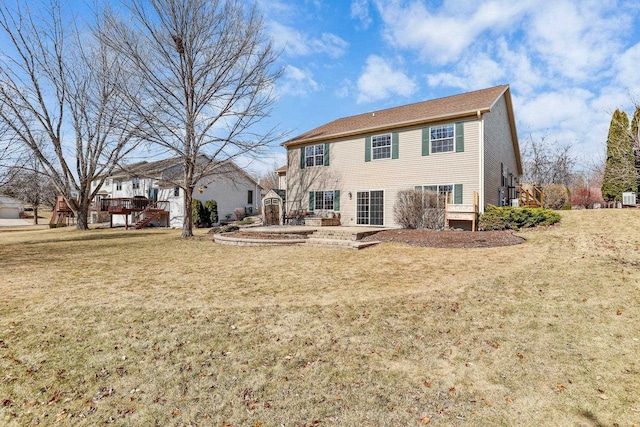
197	213
211	206
512	218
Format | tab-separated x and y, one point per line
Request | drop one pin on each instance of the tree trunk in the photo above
187	223
35	214
82	215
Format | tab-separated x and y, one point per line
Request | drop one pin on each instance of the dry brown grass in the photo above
142	328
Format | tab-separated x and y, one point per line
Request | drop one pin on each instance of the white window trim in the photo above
384	205
314	156
374	148
453	190
315	200
453	140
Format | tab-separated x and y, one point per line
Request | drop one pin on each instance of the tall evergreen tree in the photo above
619	171
635	135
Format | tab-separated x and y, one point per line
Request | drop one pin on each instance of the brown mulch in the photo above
448	239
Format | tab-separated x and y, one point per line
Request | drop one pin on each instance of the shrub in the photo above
211	206
239	214
197	213
512	218
556	196
586	197
418	209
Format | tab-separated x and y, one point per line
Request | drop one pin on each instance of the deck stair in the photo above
337	238
150	213
532	197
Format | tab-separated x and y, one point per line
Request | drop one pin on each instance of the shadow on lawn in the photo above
90	236
592	418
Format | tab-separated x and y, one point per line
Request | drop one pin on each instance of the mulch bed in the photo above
448	239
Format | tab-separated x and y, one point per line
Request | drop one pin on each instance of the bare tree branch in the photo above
206	71
60	97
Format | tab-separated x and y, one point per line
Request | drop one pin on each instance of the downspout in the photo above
481	159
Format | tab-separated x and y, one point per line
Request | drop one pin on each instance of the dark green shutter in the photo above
326	154
394	145
457	194
336	200
302	159
425	141
459	137
367	149
312	201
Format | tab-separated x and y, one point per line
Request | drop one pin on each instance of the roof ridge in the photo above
422	102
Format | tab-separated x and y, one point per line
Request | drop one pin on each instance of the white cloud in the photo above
576	39
626	68
297	82
442	36
379	81
475	72
296	43
360	11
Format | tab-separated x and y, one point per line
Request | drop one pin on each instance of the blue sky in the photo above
570	63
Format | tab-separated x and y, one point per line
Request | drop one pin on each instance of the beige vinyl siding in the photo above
349	173
498	148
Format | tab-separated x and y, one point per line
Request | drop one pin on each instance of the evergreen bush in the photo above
514	218
211	206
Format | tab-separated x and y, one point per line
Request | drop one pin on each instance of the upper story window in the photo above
442	138
118	184
176	191
381	146
250	197
135	183
314	155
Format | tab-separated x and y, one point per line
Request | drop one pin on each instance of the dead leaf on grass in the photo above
427	383
619	311
520	355
425	420
508	399
560	387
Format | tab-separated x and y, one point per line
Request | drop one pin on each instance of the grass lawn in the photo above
143	328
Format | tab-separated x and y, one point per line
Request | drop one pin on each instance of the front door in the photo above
370	207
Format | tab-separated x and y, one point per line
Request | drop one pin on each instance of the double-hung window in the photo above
118	184
442	138
324	200
438	195
314	155
135	183
381	146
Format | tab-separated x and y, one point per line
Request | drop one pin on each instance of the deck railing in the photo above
120	204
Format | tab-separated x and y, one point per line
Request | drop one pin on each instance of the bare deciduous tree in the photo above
269	180
206	70
546	163
60	98
31	187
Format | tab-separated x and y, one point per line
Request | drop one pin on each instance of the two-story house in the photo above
462	146
138	185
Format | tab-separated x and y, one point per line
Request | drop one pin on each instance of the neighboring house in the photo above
10	208
281	172
462	145
230	187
